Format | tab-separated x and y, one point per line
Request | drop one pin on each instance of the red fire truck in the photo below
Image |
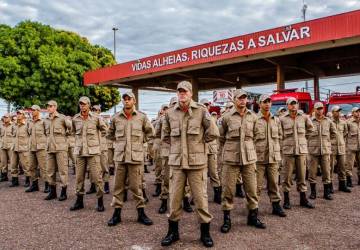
280	96
345	100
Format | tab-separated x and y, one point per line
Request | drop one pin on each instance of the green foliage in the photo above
39	63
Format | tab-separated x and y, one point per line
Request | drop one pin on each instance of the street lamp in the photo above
115	29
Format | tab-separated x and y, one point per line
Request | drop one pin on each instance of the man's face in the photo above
97	111
6	119
265	105
84	107
51	108
241	101
319	111
184	95
356	114
128	102
207	105
35	113
293	106
20	116
165	110
336	114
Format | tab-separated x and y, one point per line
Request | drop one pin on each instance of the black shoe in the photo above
100	205
92	189
304	202
313	191
79	203
116	218
4	177
52	194
358	179
46	188
146	171
253	219
239	192
142	218
14	182
287	204
186	205
225	228
111	171
343	187
327	193
106	188
63	195
331	188
277	210
205	235
217	195
157	190
349	181
33	188
27	181
163	207
145	196
172	235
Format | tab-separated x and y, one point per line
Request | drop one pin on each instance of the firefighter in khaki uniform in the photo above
239	155
338	149
353	146
71	142
129	129
157	157
88	127
294	127
20	153
187	127
267	135
7	135
37	157
57	127
319	145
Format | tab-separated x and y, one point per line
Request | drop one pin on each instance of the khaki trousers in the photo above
158	167
5	156
270	172
213	171
111	162
19	158
230	175
38	161
197	179
134	174
104	166
58	161
340	162
165	179
92	164
324	162
72	156
351	158
291	162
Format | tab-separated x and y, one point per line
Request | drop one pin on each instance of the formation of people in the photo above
239	151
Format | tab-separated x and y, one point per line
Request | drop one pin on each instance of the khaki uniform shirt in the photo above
188	132
238	132
353	136
38	139
267	136
164	147
129	136
57	128
7	133
338	141
22	137
88	134
319	142
294	133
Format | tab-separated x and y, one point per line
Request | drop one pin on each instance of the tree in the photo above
39	63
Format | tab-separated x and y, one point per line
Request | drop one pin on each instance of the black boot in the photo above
349	181
146	171
358	179
92	189
33	188
331	188
186	205
287	204
304	202
111	171
217	195
142	218
4	177
52	194
27	181
63	195
343	187
100	205
14	182
277	210
313	191
172	235
106	188
327	193
79	203
205	235
157	190
116	218
163	207
225	228
239	192
145	196
46	188
125	195
253	219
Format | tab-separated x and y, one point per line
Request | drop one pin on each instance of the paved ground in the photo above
29	222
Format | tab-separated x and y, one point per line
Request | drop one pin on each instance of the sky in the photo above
152	27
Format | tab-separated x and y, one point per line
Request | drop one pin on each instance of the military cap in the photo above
229	105
355	109
204	101
35	107
84	99
20	111
281	109
318	105
129	94
213	113
97	107
291	100
336	108
173	100
164	106
239	92
264	97
52	103
186	85
6	115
